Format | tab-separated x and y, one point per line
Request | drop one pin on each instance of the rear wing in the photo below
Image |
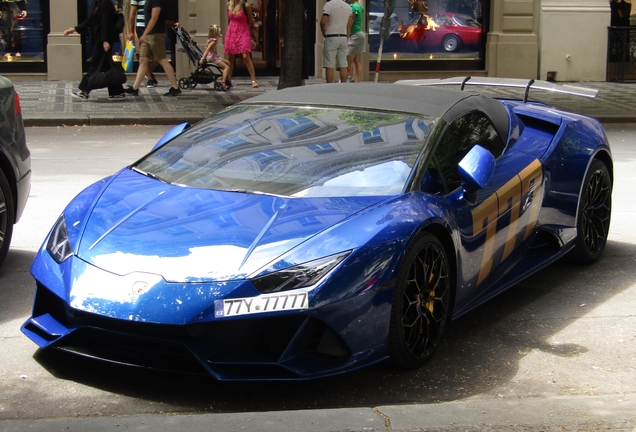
505	82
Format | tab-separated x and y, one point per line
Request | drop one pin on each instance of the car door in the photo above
495	222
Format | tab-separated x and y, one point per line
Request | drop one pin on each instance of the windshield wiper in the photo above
147	174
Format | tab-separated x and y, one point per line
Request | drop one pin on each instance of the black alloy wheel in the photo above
7	216
421	303
594	214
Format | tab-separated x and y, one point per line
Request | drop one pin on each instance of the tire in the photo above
451	43
421	303
218	86
7	216
5	36
184	83
193	84
593	219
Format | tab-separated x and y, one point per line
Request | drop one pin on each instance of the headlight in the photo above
300	276
58	245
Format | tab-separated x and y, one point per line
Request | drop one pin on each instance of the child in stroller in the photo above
210	55
206	72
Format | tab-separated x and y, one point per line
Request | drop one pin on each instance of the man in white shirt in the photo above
335	25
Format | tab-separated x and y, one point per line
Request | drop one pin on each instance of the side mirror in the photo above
476	168
171	134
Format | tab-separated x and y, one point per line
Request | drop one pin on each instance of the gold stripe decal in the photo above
519	196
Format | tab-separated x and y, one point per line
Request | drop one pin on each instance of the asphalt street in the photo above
556	352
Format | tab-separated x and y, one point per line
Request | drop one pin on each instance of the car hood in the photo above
139	224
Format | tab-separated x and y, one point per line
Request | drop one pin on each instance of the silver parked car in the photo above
15	164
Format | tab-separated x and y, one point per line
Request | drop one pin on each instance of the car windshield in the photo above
292	151
465	20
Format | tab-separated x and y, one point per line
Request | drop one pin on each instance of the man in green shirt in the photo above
357	43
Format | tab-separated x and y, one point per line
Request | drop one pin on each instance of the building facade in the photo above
564	40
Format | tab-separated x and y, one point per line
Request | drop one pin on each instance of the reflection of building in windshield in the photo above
296	152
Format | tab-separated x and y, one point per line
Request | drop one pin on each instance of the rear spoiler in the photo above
505	82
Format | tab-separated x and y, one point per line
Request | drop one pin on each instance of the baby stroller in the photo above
203	74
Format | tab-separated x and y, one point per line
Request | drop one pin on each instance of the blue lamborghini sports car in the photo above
314	230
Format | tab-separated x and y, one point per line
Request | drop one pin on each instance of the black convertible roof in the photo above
425	101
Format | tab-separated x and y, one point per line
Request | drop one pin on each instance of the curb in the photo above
607	412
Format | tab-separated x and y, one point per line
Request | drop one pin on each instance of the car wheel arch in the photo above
605	157
7	169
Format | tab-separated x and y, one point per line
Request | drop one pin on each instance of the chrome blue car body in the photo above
292	235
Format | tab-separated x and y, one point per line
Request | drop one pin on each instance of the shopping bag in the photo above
106	78
129	56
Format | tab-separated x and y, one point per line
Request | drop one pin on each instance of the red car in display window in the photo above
447	31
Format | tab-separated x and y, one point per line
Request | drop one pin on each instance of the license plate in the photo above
260	304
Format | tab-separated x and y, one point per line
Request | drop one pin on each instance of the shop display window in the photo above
425	33
23	29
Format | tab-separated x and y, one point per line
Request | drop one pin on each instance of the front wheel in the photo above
184	83
593	219
421	303
7	216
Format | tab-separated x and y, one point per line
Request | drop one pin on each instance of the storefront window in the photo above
425	33
23	29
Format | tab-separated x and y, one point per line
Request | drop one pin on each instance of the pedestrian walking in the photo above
101	22
357	43
136	27
153	46
335	25
238	38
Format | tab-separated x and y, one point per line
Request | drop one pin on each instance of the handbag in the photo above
111	77
129	56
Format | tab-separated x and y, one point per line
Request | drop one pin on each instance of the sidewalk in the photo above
49	103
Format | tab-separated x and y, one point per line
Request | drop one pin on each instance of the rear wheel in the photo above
7	216
593	220
451	43
5	37
421	303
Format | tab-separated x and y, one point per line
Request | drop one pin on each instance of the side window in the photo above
459	138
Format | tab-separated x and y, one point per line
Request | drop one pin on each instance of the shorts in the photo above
154	47
139	31
357	43
334	52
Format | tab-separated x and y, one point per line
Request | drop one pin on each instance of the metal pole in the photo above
385	30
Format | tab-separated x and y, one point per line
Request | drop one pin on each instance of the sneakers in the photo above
173	92
152	81
350	80
131	91
224	86
80	95
117	96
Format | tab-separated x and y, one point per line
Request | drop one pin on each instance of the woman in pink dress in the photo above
238	38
